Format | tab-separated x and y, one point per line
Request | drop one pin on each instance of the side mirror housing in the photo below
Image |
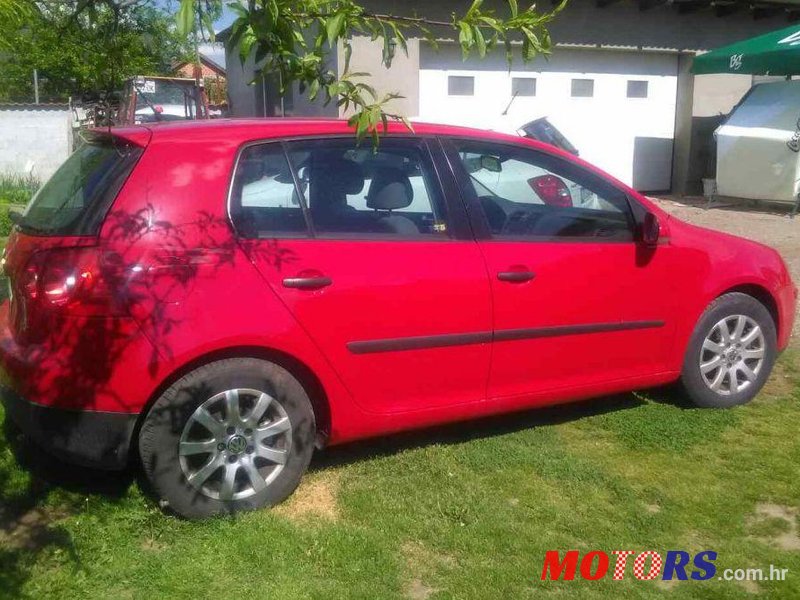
650	230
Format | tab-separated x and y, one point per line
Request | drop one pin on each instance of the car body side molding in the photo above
482	337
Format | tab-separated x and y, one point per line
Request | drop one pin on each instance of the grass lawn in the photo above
462	512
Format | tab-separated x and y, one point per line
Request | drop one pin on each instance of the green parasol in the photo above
776	53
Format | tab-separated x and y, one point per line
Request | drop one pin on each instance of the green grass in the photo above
16	188
462	512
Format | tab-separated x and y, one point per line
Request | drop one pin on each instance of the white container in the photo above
753	159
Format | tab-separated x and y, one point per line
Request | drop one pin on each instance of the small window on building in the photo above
582	88
458	85
523	86
637	89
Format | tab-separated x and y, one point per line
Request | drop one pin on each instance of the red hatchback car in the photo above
223	296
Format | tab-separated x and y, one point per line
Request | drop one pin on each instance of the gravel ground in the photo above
768	224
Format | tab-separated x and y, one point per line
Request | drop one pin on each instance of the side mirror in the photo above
650	230
551	189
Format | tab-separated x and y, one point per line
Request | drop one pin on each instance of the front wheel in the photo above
233	435
731	352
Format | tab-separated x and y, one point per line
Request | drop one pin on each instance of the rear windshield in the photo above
75	199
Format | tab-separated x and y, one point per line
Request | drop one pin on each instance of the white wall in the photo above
609	129
34	141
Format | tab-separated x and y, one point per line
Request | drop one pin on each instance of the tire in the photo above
188	459
707	384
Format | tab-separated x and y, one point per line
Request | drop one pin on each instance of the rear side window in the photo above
264	198
337	188
75	200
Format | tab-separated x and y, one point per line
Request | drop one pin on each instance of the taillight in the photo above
75	281
551	189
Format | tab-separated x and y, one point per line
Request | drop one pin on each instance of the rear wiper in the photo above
15	215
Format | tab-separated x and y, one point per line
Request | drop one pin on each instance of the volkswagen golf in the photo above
216	299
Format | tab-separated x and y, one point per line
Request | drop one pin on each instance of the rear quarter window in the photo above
74	201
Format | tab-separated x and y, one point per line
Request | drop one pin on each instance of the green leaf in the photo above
313	89
480	42
476	4
185	17
334	27
512	4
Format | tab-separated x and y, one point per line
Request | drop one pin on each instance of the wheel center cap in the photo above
237	444
732	354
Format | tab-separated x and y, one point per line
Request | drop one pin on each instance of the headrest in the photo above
250	170
339	175
390	189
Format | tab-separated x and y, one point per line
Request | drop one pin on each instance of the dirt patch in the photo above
780	383
652	508
417	556
153	545
751	587
31	530
416	590
315	498
775	525
421	564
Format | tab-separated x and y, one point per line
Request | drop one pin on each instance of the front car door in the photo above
375	265
576	301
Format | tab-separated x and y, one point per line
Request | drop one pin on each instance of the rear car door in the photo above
362	247
576	301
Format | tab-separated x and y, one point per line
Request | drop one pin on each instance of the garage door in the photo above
617	108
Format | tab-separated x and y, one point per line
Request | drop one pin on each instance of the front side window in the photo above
533	195
360	190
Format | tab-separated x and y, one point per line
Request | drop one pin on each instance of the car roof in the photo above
244	130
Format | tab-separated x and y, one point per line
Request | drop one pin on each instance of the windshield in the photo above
162	99
75	199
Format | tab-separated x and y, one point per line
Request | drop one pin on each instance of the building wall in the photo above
631	138
34	141
402	77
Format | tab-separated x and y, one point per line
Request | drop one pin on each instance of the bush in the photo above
5	222
17	189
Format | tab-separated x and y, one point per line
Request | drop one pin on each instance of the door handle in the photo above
515	276
307	283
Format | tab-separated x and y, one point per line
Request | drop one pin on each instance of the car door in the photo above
362	247
576	301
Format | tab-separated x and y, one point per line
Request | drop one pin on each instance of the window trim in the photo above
452	95
477	216
524	78
455	222
646	89
572	94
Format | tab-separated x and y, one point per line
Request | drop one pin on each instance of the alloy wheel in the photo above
235	444
732	355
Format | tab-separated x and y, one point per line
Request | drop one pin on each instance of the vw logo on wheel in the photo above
237	444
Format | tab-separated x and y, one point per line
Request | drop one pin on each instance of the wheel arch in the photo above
304	374
760	293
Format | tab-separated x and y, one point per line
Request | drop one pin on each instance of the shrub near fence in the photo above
15	191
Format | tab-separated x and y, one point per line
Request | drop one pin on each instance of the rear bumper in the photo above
90	438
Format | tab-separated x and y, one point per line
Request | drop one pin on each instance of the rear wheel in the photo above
233	435
731	352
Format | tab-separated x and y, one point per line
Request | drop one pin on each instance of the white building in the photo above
617	85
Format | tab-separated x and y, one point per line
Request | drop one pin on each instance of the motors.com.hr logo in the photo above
674	565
